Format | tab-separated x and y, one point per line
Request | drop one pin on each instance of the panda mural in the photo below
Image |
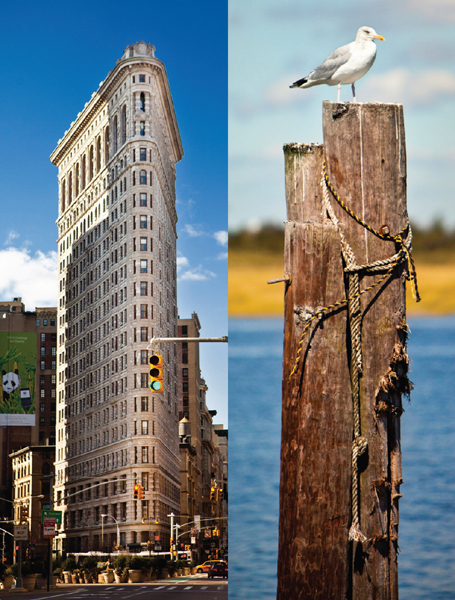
11	382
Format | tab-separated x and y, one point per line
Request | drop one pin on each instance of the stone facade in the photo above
202	463
117	290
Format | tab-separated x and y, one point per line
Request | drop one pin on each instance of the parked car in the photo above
219	569
205	567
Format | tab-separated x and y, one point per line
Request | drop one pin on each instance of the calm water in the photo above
427	509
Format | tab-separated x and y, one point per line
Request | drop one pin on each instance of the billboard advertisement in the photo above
18	367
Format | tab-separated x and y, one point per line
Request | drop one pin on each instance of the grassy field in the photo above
250	296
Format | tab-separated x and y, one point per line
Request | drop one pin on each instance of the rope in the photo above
359	443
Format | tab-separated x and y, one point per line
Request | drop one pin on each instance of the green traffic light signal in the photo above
156	373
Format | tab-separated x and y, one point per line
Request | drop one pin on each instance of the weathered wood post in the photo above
340	451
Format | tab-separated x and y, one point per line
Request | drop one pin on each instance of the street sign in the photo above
158	547
52	514
208	533
193	540
49	528
20	532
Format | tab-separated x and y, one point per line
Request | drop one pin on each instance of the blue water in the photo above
427	509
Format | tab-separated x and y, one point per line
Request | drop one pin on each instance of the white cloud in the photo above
437	10
12	235
197	274
222	256
192	232
182	262
406	87
279	93
221	237
31	277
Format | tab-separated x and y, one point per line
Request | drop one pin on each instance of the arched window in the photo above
124	124
106	145
142	102
114	135
83	179
90	164
98	154
77	180
143	177
63	196
70	188
46	468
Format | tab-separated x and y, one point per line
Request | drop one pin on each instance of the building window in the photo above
185	359
142	127
52	322
45	322
42	365
142	102
185	401
42	421
144	357
144	334
185	373
143	200
145	454
43	338
143	222
144	311
53	379
144	382
143	243
143	266
43	351
144	427
54	351
141	78
184	329
42	393
38	322
185	386
143	177
53	365
42	407
144	404
143	288
142	154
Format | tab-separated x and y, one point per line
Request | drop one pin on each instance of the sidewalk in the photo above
199	577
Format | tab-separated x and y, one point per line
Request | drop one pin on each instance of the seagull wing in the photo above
332	63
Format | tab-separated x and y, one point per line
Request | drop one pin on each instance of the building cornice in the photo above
101	98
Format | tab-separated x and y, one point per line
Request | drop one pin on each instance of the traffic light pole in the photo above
187	339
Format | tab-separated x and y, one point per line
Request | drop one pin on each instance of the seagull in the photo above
346	64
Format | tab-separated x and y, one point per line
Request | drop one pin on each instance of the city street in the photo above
189	589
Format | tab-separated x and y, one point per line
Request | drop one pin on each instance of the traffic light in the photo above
136	491
220	494
156	373
212	493
140	492
23	514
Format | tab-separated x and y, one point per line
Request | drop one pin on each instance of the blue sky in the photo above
54	55
272	43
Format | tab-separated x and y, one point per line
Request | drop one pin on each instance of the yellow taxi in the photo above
205	567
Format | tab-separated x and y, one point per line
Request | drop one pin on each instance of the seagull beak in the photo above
379	37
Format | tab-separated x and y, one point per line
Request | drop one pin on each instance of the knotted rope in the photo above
359	444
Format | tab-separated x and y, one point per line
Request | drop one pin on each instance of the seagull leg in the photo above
353	93
339	90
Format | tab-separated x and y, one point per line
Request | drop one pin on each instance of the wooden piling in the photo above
364	150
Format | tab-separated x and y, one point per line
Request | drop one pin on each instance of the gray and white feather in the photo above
345	65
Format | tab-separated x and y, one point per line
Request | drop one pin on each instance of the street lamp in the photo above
102	528
172	534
